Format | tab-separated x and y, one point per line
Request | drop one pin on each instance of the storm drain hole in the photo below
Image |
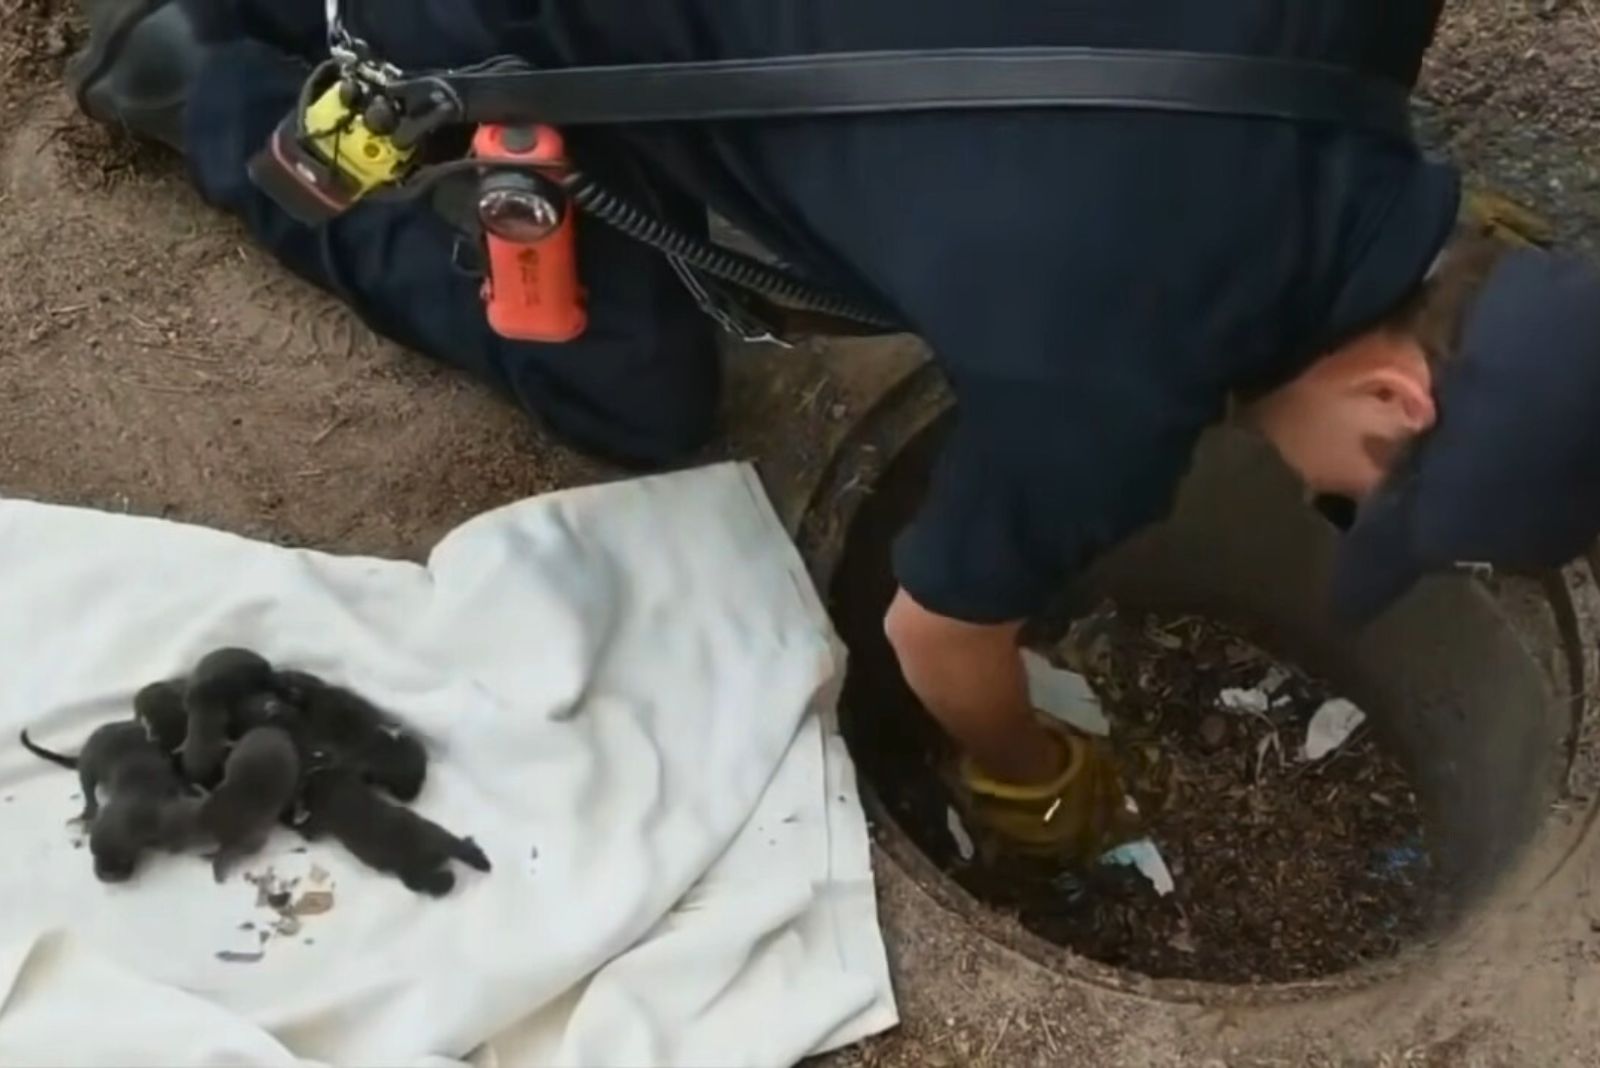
1285	863
1281	867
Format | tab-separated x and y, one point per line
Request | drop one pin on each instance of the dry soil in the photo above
151	361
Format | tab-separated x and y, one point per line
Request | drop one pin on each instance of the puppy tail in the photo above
469	853
37	750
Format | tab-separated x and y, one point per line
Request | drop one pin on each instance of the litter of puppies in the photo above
215	760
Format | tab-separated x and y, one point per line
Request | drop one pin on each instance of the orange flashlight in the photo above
531	290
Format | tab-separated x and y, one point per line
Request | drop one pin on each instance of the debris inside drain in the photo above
1277	864
1330	726
958	834
1143	856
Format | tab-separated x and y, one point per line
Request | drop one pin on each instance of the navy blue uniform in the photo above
1093	284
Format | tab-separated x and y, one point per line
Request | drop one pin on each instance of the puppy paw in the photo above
472	855
433	883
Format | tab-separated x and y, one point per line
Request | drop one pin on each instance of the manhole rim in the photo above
912	406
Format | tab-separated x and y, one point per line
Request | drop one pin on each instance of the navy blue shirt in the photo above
1093	283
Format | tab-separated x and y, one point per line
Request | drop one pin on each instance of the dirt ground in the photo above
152	361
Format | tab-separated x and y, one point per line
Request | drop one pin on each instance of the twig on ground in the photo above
999	1037
327	431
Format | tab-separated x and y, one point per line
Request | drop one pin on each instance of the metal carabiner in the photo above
341	45
352	53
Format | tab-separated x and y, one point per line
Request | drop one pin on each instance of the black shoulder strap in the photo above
877	82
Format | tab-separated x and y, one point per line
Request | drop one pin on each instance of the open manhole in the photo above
1284	869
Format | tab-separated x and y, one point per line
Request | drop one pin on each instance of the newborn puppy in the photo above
264	709
107	749
132	822
258	785
145	805
358	733
159	706
394	759
383	835
220	684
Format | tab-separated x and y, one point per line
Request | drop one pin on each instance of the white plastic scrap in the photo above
1250	702
958	831
1064	695
1144	855
1331	727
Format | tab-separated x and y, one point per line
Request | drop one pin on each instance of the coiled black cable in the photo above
726	265
723	264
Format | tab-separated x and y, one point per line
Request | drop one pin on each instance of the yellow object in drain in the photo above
1075	818
343	139
1496	214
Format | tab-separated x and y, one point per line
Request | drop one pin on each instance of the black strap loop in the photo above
958	79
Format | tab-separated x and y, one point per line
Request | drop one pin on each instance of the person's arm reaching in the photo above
969	677
1036	479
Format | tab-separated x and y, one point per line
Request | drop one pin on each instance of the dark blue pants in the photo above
640	386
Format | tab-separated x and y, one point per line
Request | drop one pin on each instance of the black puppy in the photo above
355	732
258	786
265	709
104	753
212	702
159	706
383	835
146	806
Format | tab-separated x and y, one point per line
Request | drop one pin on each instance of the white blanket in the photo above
629	694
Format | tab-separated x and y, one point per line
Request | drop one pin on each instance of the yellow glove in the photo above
1076	817
1499	216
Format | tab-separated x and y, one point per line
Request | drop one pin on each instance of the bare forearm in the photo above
970	678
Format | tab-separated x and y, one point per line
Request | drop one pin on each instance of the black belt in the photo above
926	81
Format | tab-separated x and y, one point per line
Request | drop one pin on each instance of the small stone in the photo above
313	903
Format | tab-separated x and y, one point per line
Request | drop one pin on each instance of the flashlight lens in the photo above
521	215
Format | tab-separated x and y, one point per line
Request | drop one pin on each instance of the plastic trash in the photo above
1064	695
1330	727
1249	702
958	831
1402	862
1144	856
